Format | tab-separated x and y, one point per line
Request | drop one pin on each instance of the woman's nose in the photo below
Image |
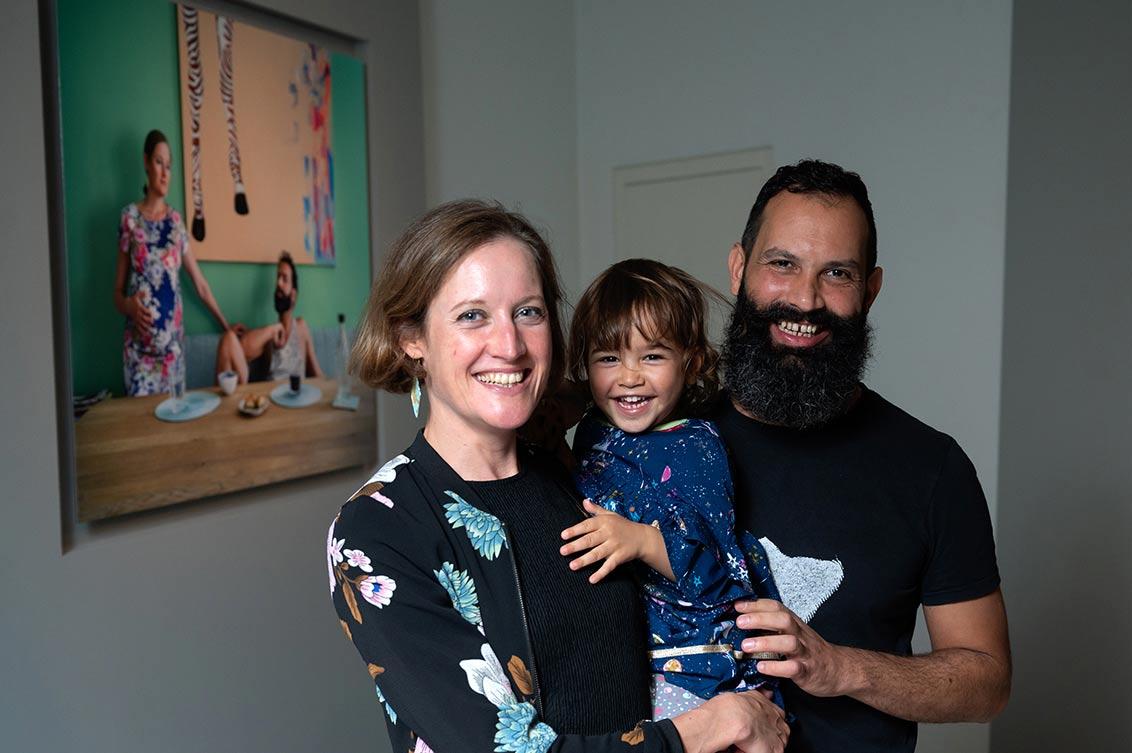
506	342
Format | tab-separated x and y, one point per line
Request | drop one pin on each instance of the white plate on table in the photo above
308	394
193	405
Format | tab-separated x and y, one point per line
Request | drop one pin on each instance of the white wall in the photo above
499	111
913	96
1065	499
207	627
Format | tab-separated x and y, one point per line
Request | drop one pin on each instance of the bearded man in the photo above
275	351
865	512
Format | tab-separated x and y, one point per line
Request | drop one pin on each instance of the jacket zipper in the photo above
526	625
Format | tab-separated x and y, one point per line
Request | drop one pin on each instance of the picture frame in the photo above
119	455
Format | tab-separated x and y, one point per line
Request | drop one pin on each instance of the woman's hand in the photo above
612	538
139	313
746	721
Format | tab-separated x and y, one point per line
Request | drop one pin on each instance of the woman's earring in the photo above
415	397
415	391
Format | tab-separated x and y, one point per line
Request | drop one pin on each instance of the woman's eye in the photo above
653	357
530	312
605	359
470	316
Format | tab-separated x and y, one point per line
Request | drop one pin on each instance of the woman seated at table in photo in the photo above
444	568
153	246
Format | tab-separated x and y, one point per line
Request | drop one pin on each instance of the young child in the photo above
660	478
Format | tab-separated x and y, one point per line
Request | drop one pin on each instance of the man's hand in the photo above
965	677
278	336
612	538
816	666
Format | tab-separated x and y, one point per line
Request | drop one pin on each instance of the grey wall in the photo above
207	627
1065	498
500	113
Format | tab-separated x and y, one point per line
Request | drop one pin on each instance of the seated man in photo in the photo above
277	350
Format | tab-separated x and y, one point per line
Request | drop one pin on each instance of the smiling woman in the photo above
444	567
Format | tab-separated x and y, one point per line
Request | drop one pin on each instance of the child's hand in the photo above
612	538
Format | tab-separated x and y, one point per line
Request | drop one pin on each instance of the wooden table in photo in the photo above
129	460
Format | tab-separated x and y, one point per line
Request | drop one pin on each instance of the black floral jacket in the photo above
416	571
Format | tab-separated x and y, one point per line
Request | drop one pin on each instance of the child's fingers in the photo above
610	564
590	557
589	541
577	530
593	509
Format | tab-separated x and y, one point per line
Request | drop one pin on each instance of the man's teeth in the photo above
798	329
501	377
632	399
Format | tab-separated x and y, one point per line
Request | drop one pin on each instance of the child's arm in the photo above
612	538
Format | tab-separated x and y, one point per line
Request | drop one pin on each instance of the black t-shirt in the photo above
863	519
588	640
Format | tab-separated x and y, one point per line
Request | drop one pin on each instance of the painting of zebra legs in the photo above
227	94
196	95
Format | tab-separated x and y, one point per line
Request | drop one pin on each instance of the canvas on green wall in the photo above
148	310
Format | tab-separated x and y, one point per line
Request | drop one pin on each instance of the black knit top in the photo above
589	638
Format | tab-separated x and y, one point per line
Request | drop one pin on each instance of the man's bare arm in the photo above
965	677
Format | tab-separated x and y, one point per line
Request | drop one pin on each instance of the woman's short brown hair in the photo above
414	271
662	303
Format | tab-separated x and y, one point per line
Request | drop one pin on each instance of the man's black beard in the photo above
795	387
282	302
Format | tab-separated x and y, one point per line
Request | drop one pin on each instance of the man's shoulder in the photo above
880	414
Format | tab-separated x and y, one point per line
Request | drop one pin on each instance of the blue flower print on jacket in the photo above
516	729
462	590
484	529
388	709
515	734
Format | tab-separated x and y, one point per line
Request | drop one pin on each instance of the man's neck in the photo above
286	319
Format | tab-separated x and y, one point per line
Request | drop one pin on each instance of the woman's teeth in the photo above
798	329
501	378
632	399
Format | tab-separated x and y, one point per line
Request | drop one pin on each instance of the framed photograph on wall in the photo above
215	240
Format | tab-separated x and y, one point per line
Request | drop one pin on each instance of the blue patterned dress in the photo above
155	250
676	477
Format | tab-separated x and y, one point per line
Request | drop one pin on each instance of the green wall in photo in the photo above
119	78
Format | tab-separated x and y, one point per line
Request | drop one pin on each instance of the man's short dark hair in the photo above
811	176
285	258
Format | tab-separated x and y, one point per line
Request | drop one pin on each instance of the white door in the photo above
688	212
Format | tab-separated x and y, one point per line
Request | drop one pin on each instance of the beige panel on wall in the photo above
688	212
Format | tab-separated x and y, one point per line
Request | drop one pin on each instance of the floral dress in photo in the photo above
155	249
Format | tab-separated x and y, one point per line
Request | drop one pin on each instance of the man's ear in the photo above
736	265
872	287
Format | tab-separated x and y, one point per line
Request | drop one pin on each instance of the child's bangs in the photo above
635	307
